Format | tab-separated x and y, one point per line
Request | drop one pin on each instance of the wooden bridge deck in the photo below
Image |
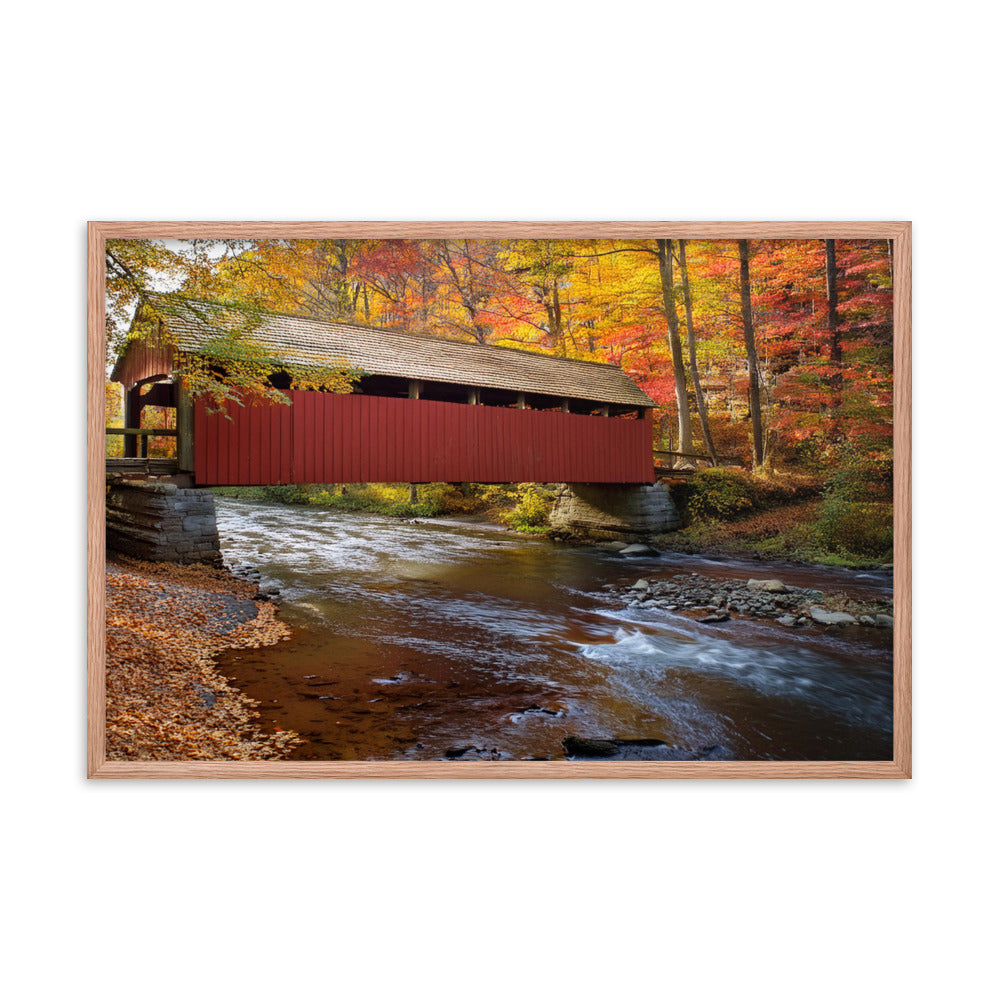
140	466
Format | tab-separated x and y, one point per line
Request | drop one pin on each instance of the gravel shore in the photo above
714	601
165	699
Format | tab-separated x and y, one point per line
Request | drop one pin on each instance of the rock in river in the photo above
638	549
715	618
770	586
603	749
832	617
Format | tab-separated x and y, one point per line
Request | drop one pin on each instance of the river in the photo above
418	640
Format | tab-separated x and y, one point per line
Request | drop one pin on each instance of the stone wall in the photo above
162	523
614	512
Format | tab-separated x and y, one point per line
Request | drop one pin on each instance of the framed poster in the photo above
499	499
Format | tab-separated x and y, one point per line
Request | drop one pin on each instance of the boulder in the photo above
713	619
883	621
788	620
769	586
832	617
638	549
640	585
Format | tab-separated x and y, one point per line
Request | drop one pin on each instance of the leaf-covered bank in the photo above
729	512
165	698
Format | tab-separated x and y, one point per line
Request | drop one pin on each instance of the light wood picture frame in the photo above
900	766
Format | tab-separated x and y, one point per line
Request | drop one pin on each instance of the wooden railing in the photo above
667	458
143	434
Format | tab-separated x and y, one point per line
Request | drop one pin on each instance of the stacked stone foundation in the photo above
162	523
613	512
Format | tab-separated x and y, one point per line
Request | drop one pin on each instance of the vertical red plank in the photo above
378	440
355	434
287	422
486	415
243	427
295	438
253	452
348	421
398	414
421	444
428	455
554	424
503	442
337	442
327	437
363	439
399	468
475	414
361	431
368	441
498	415
316	399
438	442
229	440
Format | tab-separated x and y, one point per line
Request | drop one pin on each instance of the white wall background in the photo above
440	110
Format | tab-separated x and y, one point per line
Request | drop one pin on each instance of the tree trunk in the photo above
664	255
751	346
832	321
699	396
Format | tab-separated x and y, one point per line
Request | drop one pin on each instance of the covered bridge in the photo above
425	409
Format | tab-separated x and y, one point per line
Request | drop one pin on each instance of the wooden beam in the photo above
520	401
185	429
415	388
474	397
565	405
166	432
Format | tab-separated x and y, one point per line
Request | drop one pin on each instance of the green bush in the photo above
856	516
861	477
862	529
715	494
285	494
531	514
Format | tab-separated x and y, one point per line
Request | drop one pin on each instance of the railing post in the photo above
185	429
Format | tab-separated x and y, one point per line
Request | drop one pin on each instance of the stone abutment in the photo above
613	512
162	522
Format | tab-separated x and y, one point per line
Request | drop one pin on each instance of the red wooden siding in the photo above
330	438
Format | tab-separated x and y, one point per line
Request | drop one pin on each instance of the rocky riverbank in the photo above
165	698
714	602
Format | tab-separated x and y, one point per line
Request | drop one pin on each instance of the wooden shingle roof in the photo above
408	355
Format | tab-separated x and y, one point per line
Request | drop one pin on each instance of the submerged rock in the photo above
638	549
579	748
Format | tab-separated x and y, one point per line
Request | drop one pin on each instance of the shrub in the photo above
863	529
531	514
285	494
721	493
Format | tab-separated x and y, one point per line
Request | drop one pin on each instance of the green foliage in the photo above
862	529
531	513
856	515
720	494
861	477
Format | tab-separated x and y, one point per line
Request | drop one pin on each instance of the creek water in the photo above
411	640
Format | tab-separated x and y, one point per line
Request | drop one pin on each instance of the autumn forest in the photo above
771	356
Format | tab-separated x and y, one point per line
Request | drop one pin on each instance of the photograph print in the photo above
540	504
